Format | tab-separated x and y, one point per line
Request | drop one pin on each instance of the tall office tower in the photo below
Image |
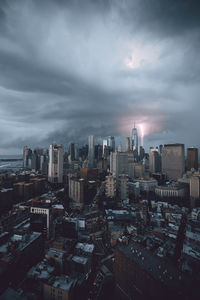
27	154
111	143
72	151
105	144
192	159
91	151
134	139
128	148
173	161
118	163
154	160
55	173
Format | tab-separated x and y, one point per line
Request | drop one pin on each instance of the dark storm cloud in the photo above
73	68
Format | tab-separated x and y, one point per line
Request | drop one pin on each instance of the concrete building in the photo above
110	188
58	288
128	144
154	160
170	191
27	154
147	184
118	163
76	191
173	161
134	139
41	218
194	190
105	144
139	170
55	172
72	151
123	187
111	142
119	148
140	275
192	159
17	255
91	151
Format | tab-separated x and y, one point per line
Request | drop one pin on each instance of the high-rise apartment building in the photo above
173	161
91	151
192	159
55	172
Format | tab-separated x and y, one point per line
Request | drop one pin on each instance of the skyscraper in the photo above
128	148
192	159
118	163
91	151
111	142
72	151
134	139
105	144
55	173
154	160
173	161
27	155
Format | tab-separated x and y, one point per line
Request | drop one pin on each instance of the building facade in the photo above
118	163
192	159
173	161
55	172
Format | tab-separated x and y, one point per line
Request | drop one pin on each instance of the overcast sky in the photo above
69	69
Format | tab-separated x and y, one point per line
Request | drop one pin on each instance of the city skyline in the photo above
73	69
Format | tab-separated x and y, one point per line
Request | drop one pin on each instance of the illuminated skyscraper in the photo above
91	151
134	139
105	144
55	173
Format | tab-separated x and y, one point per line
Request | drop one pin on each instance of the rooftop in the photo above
80	259
85	247
160	269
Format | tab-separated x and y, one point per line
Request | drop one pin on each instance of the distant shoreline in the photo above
11	159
